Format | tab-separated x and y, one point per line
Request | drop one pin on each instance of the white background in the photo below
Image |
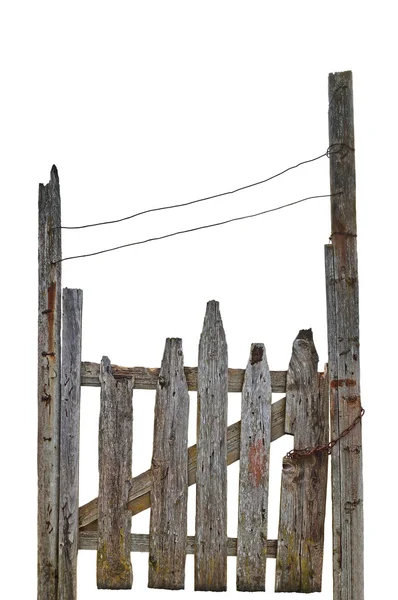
142	104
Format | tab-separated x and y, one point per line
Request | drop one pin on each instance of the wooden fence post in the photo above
343	342
49	368
69	443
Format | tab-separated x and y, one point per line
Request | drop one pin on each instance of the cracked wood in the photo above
146	378
343	337
211	469
254	473
139	542
304	479
49	369
69	443
114	570
169	492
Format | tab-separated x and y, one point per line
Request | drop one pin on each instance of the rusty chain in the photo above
300	453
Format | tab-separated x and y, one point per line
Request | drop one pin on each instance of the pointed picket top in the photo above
212	324
302	370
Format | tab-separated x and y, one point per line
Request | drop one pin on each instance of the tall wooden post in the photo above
343	342
72	304
49	371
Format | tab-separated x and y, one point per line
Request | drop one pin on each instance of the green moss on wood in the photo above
114	568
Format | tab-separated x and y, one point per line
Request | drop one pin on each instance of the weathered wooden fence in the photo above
105	523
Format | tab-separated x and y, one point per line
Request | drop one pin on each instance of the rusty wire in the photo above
302	452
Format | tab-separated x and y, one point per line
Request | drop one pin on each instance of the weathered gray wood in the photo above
334	421
49	369
169	493
139	496
211	471
114	570
254	473
139	542
146	378
343	337
304	479
69	443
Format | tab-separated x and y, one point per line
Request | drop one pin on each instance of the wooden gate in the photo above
104	524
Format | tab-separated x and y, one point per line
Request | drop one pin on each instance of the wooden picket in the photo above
304	479
211	467
114	570
169	493
254	473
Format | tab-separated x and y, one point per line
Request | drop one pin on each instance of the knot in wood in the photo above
257	354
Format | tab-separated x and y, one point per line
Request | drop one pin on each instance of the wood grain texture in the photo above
139	542
69	443
169	492
139	496
114	570
254	473
343	338
146	378
211	471
304	479
49	369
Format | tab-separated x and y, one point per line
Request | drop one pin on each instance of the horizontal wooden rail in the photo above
146	379
139	496
140	543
